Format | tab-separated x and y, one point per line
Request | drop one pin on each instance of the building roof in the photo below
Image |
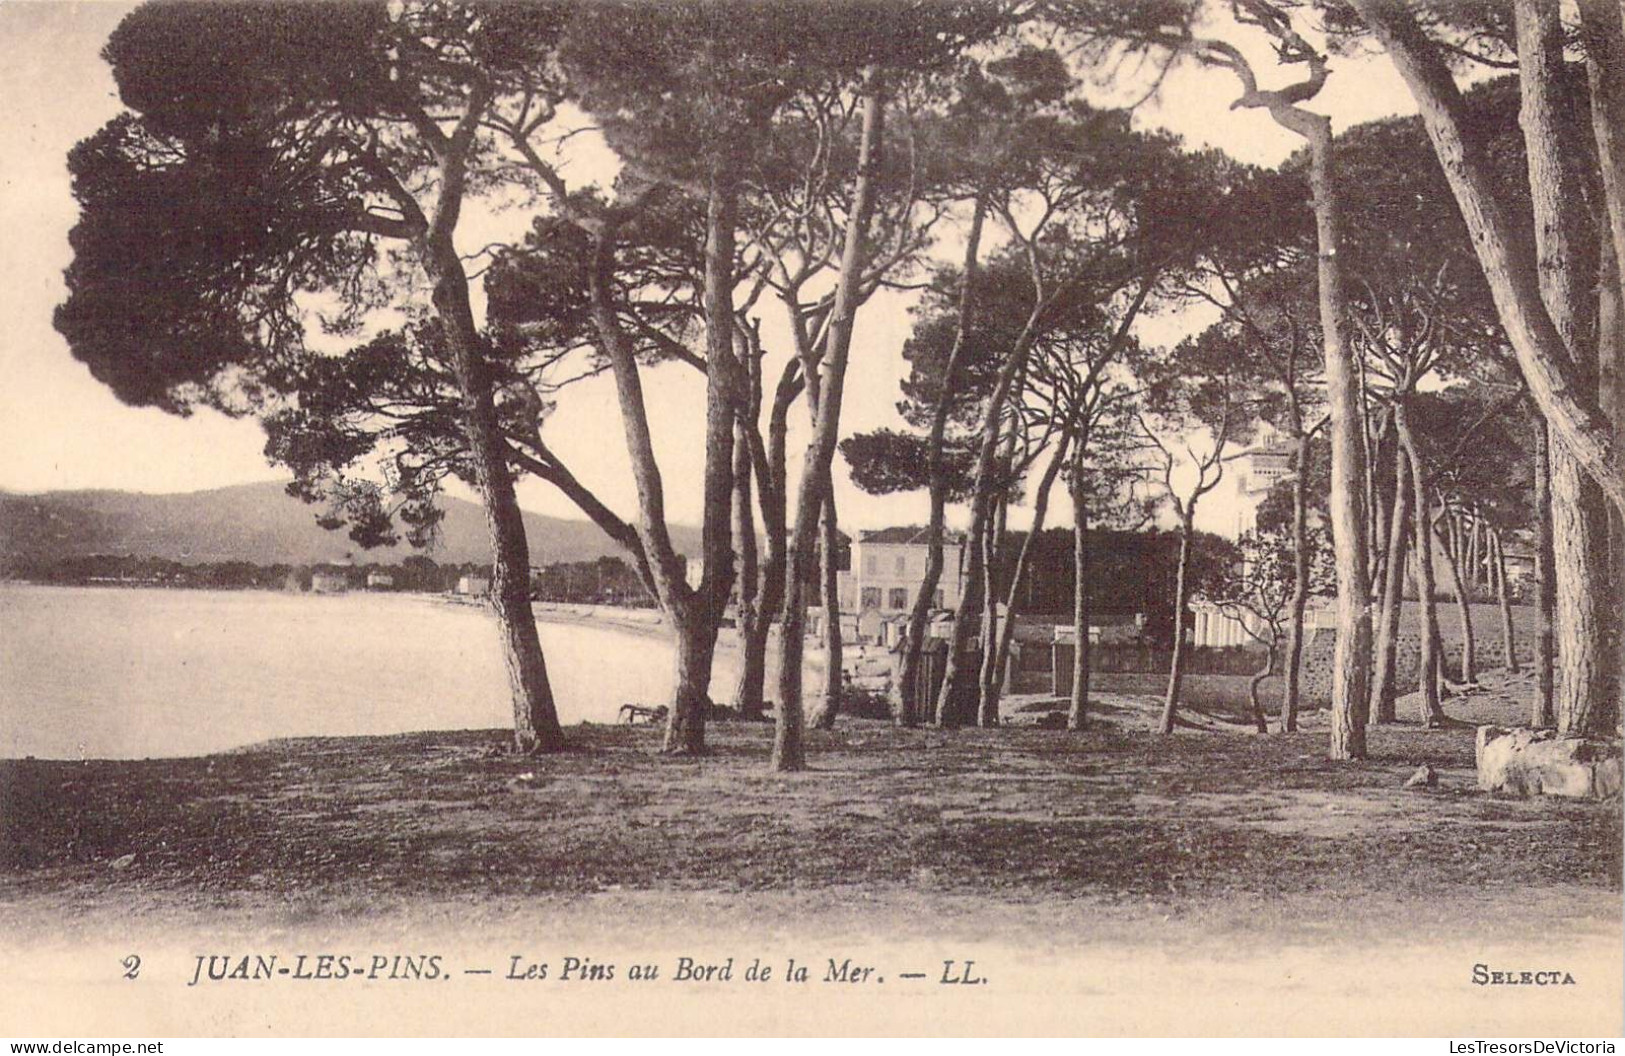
1283	448
907	534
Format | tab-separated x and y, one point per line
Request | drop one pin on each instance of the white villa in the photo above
1257	471
888	566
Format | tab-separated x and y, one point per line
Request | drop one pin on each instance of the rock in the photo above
1530	762
527	780
123	862
1424	777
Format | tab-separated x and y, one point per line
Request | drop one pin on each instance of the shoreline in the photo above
653	625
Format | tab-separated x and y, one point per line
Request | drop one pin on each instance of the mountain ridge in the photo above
262	524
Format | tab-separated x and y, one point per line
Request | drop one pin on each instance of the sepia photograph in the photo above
812	518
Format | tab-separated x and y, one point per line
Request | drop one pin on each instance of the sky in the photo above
60	428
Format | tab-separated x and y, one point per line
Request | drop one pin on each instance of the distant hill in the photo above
260	523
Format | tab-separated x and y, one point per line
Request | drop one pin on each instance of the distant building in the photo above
1520	561
1107	628
1261	469
329	581
474	585
380	580
1218	629
888	568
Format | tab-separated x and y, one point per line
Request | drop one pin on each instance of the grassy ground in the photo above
1109	882
1117	813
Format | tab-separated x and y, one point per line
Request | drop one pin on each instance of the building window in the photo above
871	598
939	599
898	598
902	564
869	564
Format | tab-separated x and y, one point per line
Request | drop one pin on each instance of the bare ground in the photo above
1114	815
1113	881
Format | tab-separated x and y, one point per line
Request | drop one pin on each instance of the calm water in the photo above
119	673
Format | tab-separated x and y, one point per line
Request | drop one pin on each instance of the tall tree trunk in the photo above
695	615
1263	673
1018	575
920	615
1378	502
948	710
1077	713
1611	394
535	718
1579	510
1498	569
823	716
749	615
691	681
1384	694
788	751
1603	23
983	495
1545	707
1469	666
1428	674
1299	604
694	612
750	690
1476	565
1510	266
1603	31
769	463
1583	688
1351	662
987	697
1176	667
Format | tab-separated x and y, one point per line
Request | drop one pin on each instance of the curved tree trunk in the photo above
1510	266
1176	667
1351	662
920	615
1383	690
1007	632
769	464
535	718
1428	674
1265	672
